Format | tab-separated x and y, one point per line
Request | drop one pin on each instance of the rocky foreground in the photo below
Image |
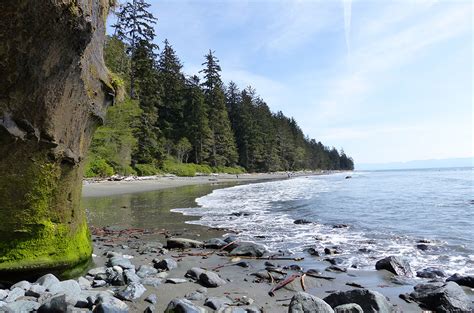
134	272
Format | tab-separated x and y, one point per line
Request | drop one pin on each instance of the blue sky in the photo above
385	80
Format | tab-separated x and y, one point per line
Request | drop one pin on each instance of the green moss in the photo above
41	225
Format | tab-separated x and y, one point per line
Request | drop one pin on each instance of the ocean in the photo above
425	216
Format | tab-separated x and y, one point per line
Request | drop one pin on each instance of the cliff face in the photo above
54	91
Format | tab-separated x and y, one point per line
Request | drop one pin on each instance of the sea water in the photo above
424	216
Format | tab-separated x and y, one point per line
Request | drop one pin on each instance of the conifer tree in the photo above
223	150
170	120
135	25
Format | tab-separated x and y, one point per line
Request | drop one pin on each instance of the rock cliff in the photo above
54	91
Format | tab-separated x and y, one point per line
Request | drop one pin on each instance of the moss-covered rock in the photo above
54	91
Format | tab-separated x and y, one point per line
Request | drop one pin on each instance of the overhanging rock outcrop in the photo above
54	91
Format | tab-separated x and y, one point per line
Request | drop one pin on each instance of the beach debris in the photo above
303	285
283	283
369	301
394	265
304	302
441	297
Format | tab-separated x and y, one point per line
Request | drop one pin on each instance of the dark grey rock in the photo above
302	221
312	251
430	272
242	264
216	303
173	243
14	294
370	301
249	249
348	308
336	269
211	279
130	277
214	243
331	251
230	239
183	306
25	285
146	270
467	281
152	298
394	265
110	305
114	276
441	297
303	302
133	291
92	296
55	304
120	261
21	306
47	280
194	273
166	264
35	291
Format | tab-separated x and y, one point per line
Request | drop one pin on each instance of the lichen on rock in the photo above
54	91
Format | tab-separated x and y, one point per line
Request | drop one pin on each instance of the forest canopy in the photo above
173	122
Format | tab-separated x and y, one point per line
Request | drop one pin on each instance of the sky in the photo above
387	81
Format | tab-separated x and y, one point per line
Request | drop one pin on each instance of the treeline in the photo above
171	122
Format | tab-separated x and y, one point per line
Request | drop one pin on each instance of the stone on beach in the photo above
56	303
107	304
370	301
25	285
216	303
70	288
183	306
348	308
21	306
120	261
176	280
176	243
467	281
442	297
146	270
303	302
194	273
152	298
302	221
430	272
14	294
35	290
211	279
133	291
214	243
249	249
394	265
165	264
47	280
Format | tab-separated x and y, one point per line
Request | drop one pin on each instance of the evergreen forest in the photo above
167	121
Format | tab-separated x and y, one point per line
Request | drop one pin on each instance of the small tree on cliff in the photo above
135	25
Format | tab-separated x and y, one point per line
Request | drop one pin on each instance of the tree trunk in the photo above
54	90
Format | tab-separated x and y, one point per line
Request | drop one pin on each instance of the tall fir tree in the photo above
223	149
170	120
135	25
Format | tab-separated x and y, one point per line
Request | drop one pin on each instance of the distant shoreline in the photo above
133	185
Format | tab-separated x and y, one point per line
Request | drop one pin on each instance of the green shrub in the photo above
98	167
229	170
146	170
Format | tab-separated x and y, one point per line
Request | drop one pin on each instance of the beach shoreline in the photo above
102	188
